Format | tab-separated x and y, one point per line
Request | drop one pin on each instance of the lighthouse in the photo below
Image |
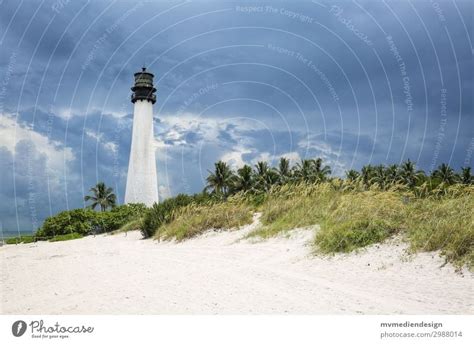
142	184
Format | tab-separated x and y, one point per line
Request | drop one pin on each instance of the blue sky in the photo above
353	82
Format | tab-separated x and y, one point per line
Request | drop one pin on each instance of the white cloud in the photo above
177	127
326	152
294	157
234	158
99	137
12	132
263	156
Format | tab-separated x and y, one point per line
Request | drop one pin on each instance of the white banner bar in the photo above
236	329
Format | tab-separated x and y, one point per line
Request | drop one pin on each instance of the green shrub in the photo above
86	221
109	221
161	213
71	221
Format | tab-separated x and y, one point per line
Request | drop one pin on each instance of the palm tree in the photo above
244	179
352	175
367	174
311	170
466	176
304	170
445	174
321	171
380	176
284	171
408	173
265	176
392	173
221	180
102	196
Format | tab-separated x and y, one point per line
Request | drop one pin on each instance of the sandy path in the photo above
217	274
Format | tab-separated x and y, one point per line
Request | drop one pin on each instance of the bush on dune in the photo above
79	221
87	221
119	216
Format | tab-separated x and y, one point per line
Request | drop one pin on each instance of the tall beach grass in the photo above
193	219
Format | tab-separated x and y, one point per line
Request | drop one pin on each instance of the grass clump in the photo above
360	219
162	213
349	236
129	226
65	237
23	239
194	219
446	224
294	206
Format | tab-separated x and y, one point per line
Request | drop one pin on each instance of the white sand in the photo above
214	274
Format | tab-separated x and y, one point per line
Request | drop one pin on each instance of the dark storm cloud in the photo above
354	82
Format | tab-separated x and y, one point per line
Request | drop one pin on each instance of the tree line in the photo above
224	181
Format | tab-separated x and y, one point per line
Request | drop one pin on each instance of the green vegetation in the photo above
432	212
165	211
193	219
87	221
79	221
23	239
76	223
133	225
118	217
65	237
358	219
27	239
294	206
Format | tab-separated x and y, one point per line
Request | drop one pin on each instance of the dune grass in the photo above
359	219
294	206
428	224
27	239
129	226
193	220
24	239
351	219
445	224
65	237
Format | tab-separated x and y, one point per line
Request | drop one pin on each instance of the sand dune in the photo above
219	274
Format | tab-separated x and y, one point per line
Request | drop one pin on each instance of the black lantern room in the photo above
143	88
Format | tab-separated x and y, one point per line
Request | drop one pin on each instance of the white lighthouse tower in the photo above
142	184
